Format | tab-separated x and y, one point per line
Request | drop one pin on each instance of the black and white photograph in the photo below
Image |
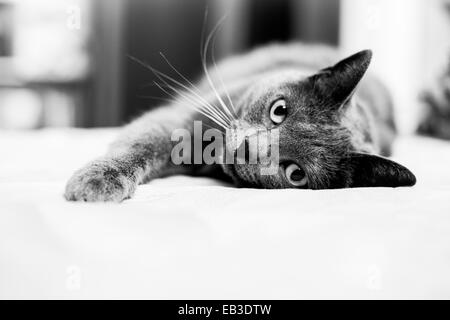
224	150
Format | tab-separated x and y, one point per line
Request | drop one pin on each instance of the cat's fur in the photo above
337	129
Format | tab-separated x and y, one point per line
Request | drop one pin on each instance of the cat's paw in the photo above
99	181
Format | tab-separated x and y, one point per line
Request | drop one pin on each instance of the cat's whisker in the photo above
160	75
221	102
171	100
194	88
195	101
200	99
233	109
216	93
212	112
203	55
194	106
192	100
180	74
218	129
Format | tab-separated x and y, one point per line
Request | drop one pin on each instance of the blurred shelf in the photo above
7	77
43	84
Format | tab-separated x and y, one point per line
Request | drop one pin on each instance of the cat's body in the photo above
329	131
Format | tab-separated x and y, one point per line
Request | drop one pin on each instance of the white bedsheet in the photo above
192	238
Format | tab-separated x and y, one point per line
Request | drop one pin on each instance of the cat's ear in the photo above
337	83
369	170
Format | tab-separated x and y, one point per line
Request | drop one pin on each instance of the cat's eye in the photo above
278	111
296	176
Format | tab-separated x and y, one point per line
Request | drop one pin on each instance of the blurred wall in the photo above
67	63
411	44
45	62
174	27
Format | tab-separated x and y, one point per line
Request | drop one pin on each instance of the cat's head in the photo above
315	144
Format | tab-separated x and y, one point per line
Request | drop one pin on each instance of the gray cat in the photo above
334	126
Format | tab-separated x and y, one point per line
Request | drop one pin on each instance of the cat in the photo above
335	125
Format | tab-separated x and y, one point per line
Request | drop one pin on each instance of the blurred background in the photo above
65	63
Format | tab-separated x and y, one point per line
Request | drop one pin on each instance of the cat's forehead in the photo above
281	79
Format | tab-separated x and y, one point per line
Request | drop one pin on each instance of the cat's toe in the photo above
98	183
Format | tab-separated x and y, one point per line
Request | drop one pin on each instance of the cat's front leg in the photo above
141	153
129	162
105	179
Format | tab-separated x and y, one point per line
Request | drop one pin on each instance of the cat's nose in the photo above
242	142
243	151
240	125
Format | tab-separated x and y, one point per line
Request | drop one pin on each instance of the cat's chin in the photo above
231	171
